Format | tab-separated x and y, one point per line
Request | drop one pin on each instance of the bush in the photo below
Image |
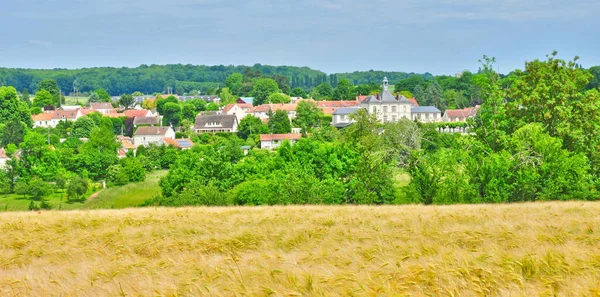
77	187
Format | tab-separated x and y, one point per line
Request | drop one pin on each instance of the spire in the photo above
385	84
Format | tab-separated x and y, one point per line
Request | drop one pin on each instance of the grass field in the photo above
14	202
541	249
72	100
130	195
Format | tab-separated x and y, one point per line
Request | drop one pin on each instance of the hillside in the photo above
540	249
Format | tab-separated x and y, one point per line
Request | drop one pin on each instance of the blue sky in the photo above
440	37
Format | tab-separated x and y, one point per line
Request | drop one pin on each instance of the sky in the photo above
435	36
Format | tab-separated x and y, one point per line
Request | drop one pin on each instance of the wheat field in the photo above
538	249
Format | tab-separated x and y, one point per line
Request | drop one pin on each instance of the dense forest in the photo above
180	78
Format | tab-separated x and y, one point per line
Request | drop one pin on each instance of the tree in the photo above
419	94
42	99
149	104
433	94
77	187
299	92
234	83
279	123
137	94
344	91
251	125
308	115
226	97
103	95
410	83
37	189
83	127
98	153
262	89
51	86
171	114
323	91
127	101
211	107
188	112
160	102
279	98
13	132
25	97
38	158
406	94
283	83
94	97
13	108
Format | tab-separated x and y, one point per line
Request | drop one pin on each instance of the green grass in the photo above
15	202
131	195
71	100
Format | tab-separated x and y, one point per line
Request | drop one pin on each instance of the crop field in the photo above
536	249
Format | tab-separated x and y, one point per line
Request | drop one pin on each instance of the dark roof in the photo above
224	121
345	110
387	97
151	130
146	121
422	109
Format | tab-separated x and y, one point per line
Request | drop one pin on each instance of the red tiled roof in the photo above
44	116
270	137
274	107
86	111
65	114
101	105
461	113
146	130
348	103
328	110
131	113
413	101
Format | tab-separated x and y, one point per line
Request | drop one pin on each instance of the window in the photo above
404	108
394	118
385	118
385	109
374	109
343	117
393	108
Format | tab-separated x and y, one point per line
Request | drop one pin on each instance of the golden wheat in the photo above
541	249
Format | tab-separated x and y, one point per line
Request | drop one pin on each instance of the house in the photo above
102	107
426	114
43	120
215	123
180	143
262	111
65	115
70	107
133	113
240	110
341	116
146	121
460	115
388	108
272	141
246	100
152	135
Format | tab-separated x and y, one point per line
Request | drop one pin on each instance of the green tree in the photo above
94	97
103	95
234	83
77	187
83	127
38	158
308	115
127	101
420	95
160	102
344	91
433	94
279	123
299	92
251	125
25	97
37	189
283	83
98	153
211	106
279	98
42	99
323	91
13	108
410	83
51	86
13	132
188	112
171	114
226	97
262	89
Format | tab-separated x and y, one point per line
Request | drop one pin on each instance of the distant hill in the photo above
181	78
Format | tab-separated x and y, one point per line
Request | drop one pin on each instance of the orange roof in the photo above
328	110
44	116
65	114
274	107
269	137
361	98
101	105
113	115
240	105
86	111
127	144
131	113
413	102
348	103
462	113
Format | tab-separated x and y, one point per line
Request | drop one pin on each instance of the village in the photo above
149	127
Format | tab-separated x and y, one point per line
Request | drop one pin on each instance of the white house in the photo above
152	135
262	111
43	120
460	115
272	141
341	116
213	123
386	107
240	111
426	114
102	107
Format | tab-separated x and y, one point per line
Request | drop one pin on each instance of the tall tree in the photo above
172	114
83	127
103	94
344	91
299	92
308	115
433	94
226	96
262	89
94	97
279	98
279	122
323	91
251	125
42	99
13	108
25	97
283	83
127	101
234	83
13	132
51	86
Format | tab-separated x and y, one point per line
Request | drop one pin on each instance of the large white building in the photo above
388	108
